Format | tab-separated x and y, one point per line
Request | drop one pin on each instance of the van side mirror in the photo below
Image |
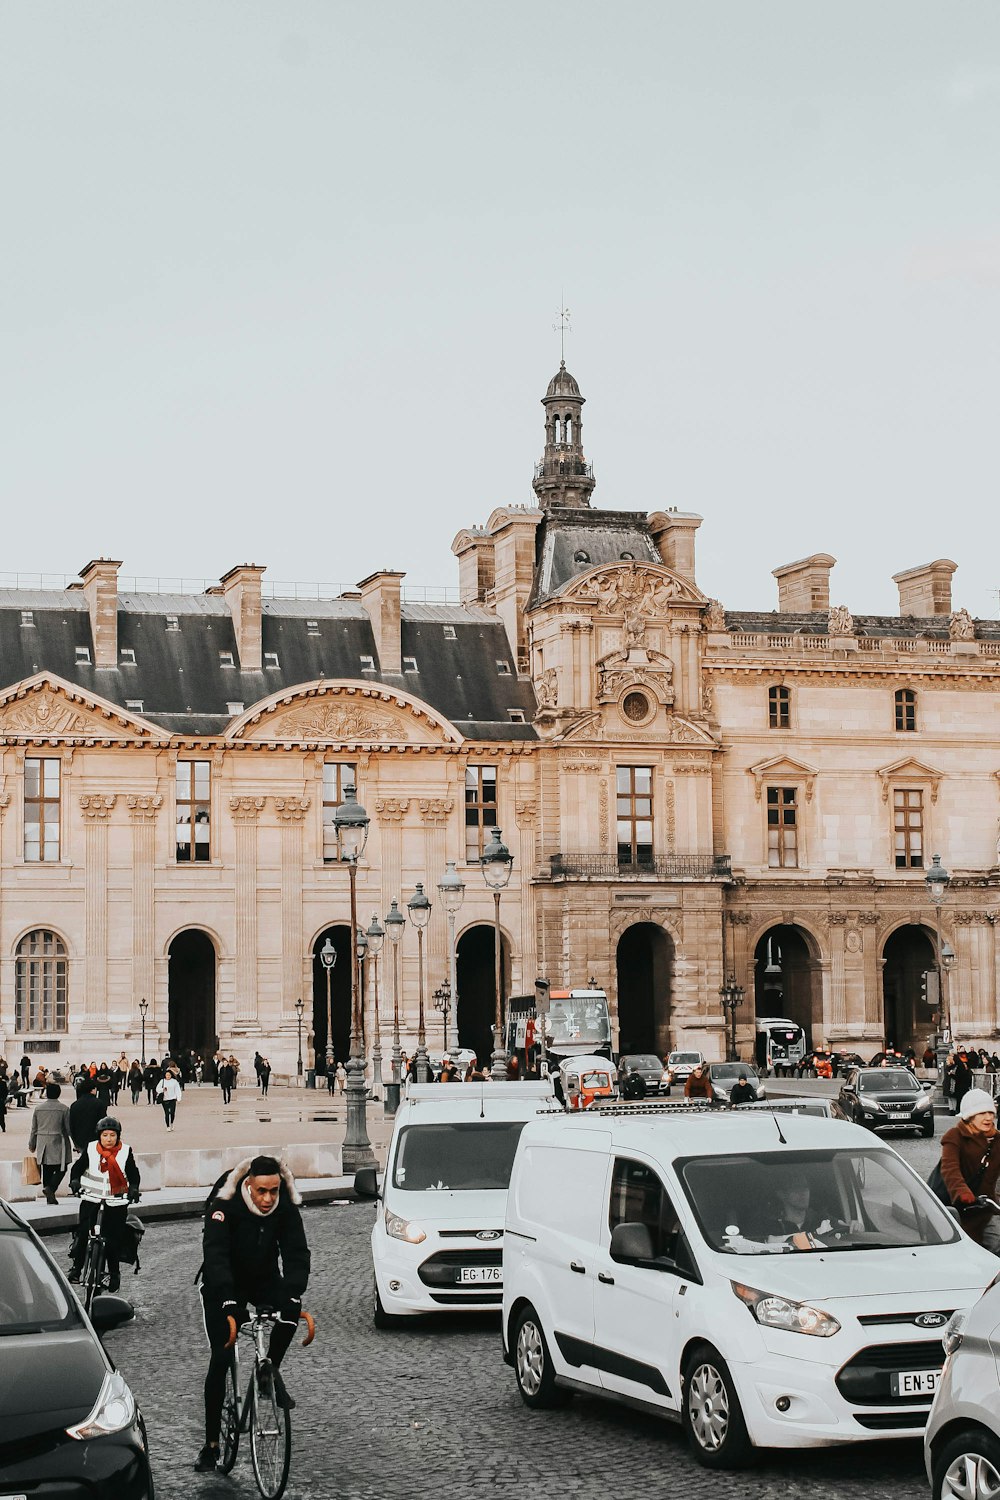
366	1182
631	1243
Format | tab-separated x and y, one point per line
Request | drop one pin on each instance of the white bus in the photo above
780	1043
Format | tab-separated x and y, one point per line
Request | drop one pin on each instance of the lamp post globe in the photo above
395	923
419	909
496	864
351	824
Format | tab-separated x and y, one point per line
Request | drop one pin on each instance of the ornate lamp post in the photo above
328	957
497	863
361	954
395	922
419	908
376	937
299	1008
731	998
144	1012
451	888
351	823
442	1002
937	881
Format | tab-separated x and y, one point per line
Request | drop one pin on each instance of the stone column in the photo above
834	1015
246	811
738	962
291	813
142	811
96	808
872	974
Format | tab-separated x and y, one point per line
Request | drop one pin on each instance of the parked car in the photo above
68	1422
888	1099
680	1066
962	1437
585	1081
648	1067
723	1075
820	1109
768	1288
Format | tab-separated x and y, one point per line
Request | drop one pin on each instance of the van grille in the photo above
866	1379
442	1269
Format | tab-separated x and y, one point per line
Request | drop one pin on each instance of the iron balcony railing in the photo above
666	867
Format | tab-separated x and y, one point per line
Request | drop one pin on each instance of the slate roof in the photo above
604	536
892	627
180	678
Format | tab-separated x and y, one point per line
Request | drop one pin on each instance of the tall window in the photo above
782	828
40	983
338	775
635	815
480	808
908	821
906	709
639	1197
194	810
779	700
41	809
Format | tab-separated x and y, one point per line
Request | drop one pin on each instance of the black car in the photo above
887	1099
644	1065
69	1424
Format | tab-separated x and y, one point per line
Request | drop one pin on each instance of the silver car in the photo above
962	1438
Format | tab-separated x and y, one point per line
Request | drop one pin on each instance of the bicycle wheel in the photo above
229	1432
270	1442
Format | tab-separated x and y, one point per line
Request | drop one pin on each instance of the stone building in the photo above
689	792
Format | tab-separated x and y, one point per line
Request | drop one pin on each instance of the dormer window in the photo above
234	709
83	656
368	664
172	622
410	664
516	715
127	656
27	618
449	633
503	668
312	626
134	704
271	659
226	659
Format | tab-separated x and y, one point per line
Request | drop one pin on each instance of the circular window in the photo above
635	707
581	556
627	556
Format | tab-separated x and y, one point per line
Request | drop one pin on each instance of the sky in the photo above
278	280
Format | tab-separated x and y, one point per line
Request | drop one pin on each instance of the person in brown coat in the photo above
970	1165
699	1085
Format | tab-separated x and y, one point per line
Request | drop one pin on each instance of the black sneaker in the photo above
281	1393
207	1461
74	1276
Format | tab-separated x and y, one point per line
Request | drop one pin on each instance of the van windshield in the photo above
771	1203
468	1157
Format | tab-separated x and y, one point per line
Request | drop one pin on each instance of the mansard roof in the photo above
778	622
571	542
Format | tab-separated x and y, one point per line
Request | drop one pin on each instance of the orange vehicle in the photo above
586	1080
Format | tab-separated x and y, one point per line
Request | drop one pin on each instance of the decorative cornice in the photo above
246	809
98	805
143	808
291	809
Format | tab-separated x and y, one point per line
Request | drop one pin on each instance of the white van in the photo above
438	1235
768	1281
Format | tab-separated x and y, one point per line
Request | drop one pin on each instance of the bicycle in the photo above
260	1414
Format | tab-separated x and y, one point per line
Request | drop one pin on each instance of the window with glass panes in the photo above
635	815
40	983
782	828
908	831
194	810
778	707
480	808
906	709
338	775
41	808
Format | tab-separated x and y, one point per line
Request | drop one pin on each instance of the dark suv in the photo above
887	1099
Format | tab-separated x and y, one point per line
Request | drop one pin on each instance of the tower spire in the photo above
562	328
563	478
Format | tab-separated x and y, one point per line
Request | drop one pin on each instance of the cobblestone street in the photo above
432	1409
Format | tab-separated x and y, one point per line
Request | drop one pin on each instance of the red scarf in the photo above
117	1180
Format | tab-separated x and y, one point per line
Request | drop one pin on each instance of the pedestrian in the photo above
135	1080
4	1091
25	1066
742	1091
341	1077
106	1174
699	1085
168	1091
117	1079
50	1140
227	1081
961	1082
84	1114
257	1063
40	1079
513	1068
264	1076
970	1165
102	1080
151	1078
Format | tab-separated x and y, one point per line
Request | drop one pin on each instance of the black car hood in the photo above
47	1381
892	1096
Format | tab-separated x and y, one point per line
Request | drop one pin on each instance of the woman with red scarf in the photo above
106	1173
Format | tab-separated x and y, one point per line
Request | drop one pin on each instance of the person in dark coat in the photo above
150	1079
50	1140
742	1091
227	1081
102	1082
3	1102
135	1081
25	1066
961	1082
84	1113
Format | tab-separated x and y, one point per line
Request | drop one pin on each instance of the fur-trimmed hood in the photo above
231	1186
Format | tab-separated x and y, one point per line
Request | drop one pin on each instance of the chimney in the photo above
476	564
512	529
804	586
381	599
240	588
926	590
100	589
673	533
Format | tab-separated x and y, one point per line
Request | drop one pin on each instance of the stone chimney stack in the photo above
804	586
476	564
100	589
673	533
512	529
926	590
381	598
240	588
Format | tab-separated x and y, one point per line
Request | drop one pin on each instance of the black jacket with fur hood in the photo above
250	1256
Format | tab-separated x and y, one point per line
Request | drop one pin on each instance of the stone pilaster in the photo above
245	812
142	811
435	813
526	815
291	813
96	808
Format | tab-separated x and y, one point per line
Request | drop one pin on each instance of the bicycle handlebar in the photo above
982	1201
310	1322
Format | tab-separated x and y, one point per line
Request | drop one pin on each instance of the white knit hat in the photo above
977	1102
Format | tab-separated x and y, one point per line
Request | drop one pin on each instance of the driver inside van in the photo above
788	1221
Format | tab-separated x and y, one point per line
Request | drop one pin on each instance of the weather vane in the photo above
562	328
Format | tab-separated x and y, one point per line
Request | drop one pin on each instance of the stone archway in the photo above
339	997
476	976
907	955
787	979
191	970
644	964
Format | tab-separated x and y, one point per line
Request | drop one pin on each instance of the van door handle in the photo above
575	1265
608	1280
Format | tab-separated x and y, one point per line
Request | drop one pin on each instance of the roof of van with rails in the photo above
706	1132
430	1103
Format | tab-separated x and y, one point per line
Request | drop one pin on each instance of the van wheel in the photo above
380	1317
532	1364
967	1466
713	1420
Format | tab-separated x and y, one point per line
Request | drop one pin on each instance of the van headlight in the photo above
772	1311
403	1229
113	1410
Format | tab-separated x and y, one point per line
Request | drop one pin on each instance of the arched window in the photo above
906	709
779	701
556	429
41	974
568	429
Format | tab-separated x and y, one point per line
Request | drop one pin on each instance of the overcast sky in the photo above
279	279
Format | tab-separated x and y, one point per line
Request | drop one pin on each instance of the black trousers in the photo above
112	1225
217	1331
52	1177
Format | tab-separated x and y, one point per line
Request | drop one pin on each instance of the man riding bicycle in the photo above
255	1251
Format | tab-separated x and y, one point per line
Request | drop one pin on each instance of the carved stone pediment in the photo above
345	713
909	769
676	731
640	590
46	707
783	766
635	666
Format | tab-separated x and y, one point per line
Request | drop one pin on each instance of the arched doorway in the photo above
191	994
787	980
644	959
908	954
339	997
475	963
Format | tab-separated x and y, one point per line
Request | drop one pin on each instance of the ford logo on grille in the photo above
494	1234
930	1320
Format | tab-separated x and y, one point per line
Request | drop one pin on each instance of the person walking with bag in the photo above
970	1166
168	1091
50	1141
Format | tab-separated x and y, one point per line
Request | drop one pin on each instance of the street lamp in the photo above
395	922
361	954
143	1011
299	1008
376	937
731	998
497	863
419	908
937	881
351	824
451	888
328	957
442	1002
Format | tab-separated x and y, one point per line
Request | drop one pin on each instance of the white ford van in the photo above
438	1235
768	1281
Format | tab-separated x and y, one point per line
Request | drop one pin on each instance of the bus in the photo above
779	1043
578	1024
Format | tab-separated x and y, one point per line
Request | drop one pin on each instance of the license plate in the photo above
899	1114
914	1382
469	1275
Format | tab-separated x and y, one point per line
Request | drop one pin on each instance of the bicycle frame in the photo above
241	1414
